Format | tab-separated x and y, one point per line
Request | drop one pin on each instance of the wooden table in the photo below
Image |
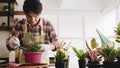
15	65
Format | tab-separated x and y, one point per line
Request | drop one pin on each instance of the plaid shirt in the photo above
47	27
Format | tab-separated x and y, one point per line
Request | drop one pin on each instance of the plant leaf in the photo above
104	40
93	43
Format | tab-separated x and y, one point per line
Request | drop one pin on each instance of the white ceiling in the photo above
76	4
73	4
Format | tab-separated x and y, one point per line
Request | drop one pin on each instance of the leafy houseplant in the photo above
80	54
35	47
81	57
32	43
108	52
60	59
62	55
33	50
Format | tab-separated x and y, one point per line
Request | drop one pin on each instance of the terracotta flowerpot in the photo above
33	57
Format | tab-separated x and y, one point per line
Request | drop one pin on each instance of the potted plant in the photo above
33	47
62	55
33	53
60	59
81	57
117	39
93	57
109	54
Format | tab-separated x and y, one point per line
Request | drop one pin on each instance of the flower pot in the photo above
64	64
33	57
93	64
118	59
110	65
82	63
59	65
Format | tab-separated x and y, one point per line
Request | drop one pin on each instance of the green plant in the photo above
35	47
80	53
109	53
104	40
117	31
32	43
60	56
64	47
108	50
118	49
94	43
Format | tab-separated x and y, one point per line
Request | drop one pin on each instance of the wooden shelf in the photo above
5	13
8	13
6	1
18	13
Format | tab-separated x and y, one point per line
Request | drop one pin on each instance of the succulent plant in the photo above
108	50
109	53
60	56
104	39
80	54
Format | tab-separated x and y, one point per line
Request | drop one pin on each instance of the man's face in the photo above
32	18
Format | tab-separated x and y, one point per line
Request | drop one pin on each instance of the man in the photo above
35	24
